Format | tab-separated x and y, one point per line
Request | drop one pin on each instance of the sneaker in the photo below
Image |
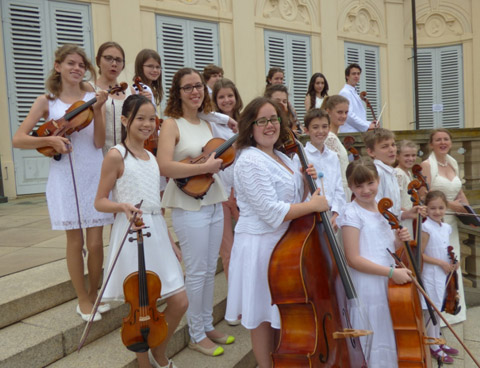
440	354
448	350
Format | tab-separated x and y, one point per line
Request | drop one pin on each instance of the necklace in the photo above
442	164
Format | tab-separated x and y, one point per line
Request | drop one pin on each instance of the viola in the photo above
151	142
451	301
348	143
363	97
77	117
311	285
197	186
405	307
145	326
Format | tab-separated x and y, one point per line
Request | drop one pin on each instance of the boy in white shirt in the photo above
325	161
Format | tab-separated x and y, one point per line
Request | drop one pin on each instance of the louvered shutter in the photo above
185	43
425	88
440	94
291	52
31	35
368	59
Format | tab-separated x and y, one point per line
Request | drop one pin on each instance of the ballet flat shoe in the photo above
214	351
155	364
103	308
225	339
234	323
86	316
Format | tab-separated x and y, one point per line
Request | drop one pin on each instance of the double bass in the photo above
311	285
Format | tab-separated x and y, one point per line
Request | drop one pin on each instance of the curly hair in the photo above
249	115
156	86
53	83
174	104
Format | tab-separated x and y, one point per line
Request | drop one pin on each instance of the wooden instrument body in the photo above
451	302
311	299
197	186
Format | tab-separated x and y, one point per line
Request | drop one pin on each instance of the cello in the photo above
310	283
405	307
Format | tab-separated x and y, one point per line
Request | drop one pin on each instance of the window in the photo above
368	59
291	52
185	43
440	87
32	31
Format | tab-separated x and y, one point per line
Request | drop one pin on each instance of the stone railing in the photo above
466	150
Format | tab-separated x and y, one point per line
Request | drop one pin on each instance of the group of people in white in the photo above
257	196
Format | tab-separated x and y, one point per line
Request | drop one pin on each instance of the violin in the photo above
451	301
311	285
145	326
413	188
405	307
197	186
363	97
417	174
77	117
348	143
151	142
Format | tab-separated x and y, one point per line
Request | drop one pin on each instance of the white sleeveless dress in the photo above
87	164
451	190
141	180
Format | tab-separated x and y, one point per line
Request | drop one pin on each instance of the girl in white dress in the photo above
131	173
110	60
316	92
198	223
337	108
366	234
442	172
65	85
269	188
148	66
436	266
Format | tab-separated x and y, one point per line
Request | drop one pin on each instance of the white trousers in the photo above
200	234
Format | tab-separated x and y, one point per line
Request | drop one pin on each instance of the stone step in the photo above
54	333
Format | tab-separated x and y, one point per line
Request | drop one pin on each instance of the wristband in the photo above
390	274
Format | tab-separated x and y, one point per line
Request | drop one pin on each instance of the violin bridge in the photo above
144	318
350	332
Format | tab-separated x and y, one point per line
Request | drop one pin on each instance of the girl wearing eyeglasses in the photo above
110	60
270	190
148	66
198	223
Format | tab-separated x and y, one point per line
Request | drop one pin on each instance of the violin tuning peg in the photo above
148	235
131	239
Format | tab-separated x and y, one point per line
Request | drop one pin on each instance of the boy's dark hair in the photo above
315	114
210	70
349	69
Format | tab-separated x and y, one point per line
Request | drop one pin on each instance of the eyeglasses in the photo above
111	59
189	88
264	121
151	66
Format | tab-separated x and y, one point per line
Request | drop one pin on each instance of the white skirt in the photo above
159	257
248	290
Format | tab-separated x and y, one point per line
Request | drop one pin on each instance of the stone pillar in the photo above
472	164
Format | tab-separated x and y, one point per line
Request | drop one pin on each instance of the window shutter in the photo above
440	80
32	31
425	88
185	43
291	52
368	59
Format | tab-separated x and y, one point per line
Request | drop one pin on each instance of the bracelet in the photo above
390	274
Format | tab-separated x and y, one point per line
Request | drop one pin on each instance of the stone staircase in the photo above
39	327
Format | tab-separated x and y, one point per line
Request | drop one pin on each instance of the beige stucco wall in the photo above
329	23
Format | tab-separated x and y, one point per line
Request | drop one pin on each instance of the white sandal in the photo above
155	364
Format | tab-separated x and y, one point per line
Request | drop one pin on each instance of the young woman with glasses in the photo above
270	190
198	223
148	66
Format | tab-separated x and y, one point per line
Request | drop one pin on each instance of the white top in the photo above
404	178
145	89
141	175
327	162
334	144
263	209
388	187
357	115
433	276
318	102
193	137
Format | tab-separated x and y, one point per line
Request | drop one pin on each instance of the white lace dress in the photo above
141	180
375	236
334	144
87	164
264	191
451	190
